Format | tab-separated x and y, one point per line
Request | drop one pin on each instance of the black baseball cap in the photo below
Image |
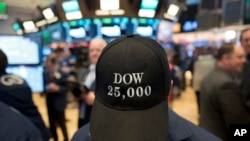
132	85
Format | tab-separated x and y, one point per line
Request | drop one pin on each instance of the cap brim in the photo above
108	124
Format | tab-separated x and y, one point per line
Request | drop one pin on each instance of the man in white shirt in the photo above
95	48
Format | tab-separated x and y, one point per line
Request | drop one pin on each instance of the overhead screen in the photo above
21	50
79	30
32	74
192	2
149	4
145	26
111	27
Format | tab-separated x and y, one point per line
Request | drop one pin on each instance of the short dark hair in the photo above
224	49
52	59
3	60
243	31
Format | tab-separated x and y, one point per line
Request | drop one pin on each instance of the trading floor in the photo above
184	106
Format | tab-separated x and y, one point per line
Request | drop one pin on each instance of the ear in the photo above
226	58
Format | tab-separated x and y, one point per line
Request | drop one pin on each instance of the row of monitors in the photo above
27	50
109	28
106	28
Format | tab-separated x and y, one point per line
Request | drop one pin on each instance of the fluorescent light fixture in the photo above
117	12
107	12
52	20
29	26
48	13
146	13
72	10
109	4
173	10
102	12
73	15
41	23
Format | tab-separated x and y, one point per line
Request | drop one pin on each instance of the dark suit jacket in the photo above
57	100
179	130
19	96
245	84
16	127
221	103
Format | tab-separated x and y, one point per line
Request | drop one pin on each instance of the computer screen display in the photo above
21	50
111	27
78	30
32	74
70	6
145	26
192	2
189	26
149	4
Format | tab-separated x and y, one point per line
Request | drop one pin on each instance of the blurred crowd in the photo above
221	79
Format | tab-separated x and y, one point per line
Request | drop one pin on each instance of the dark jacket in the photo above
57	100
221	103
245	84
16	127
14	91
179	130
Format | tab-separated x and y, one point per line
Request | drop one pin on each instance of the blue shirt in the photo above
179	130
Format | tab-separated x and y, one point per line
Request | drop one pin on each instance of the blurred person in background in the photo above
15	92
95	48
221	100
203	64
15	126
245	77
175	74
56	95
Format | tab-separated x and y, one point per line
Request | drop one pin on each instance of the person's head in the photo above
231	57
51	63
59	53
3	61
170	55
132	85
96	46
245	40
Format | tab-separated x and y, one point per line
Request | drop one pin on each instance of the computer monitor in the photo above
78	30
21	50
145	26
32	74
109	28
